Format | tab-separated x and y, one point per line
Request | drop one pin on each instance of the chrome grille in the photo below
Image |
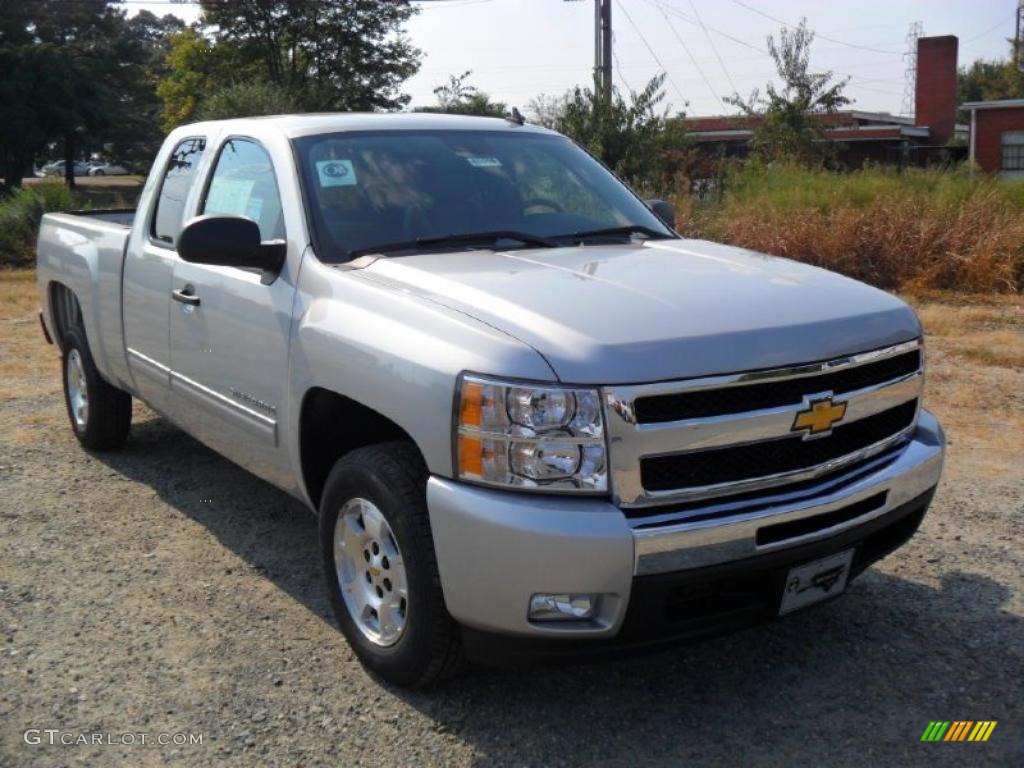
734	434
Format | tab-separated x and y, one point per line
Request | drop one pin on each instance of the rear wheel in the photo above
380	566
100	413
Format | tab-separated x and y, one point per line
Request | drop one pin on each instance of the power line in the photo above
622	7
991	29
686	48
777	20
711	42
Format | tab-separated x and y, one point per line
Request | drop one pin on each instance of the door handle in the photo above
186	295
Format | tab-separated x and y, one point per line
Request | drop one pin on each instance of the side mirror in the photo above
664	211
230	241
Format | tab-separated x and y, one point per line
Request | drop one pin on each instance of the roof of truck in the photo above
328	122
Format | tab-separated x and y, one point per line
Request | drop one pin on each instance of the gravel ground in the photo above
162	589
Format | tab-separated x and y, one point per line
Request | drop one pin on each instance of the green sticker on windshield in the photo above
336	173
484	162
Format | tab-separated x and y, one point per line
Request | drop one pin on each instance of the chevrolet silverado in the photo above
533	420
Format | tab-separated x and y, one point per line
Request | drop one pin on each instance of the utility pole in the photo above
1017	42
603	46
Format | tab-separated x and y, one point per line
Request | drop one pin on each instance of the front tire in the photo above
380	566
100	414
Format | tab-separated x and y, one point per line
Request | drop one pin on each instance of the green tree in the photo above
631	136
983	80
195	68
333	54
75	74
246	100
458	97
789	120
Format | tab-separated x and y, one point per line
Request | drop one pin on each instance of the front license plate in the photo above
813	582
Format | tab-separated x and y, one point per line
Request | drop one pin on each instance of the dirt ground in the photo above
161	589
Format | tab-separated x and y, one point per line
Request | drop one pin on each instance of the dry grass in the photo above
918	230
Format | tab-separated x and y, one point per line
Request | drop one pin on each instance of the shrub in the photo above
909	230
19	219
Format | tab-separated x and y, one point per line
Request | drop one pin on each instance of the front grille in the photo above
751	397
771	457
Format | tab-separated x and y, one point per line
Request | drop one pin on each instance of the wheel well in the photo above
330	426
65	310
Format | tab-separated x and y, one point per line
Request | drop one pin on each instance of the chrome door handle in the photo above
186	295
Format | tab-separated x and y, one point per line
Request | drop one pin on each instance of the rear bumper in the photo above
496	549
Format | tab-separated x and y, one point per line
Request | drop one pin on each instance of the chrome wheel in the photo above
371	572
78	397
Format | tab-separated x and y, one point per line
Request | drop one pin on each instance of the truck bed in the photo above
123	217
84	252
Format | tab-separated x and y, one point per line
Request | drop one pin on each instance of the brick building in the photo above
997	136
873	136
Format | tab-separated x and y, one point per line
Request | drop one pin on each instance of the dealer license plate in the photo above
813	582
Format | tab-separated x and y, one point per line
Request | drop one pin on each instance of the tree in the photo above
458	97
630	136
789	121
989	80
78	75
246	100
332	54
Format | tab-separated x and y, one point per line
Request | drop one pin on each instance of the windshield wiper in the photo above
629	229
463	238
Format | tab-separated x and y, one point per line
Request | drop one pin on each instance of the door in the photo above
148	274
229	331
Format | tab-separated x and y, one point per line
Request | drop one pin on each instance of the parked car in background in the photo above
107	169
56	168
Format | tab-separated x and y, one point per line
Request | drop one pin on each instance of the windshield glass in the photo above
382	188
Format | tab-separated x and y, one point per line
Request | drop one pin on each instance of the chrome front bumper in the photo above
496	549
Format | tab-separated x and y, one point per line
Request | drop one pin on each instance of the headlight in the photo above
529	436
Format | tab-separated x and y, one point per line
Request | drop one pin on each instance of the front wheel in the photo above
380	566
100	414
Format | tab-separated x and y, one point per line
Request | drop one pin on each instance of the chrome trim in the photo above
651	517
707	542
149	362
629	442
255	422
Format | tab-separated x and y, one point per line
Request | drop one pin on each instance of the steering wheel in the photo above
543	202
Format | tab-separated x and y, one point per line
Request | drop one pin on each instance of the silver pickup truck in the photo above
533	420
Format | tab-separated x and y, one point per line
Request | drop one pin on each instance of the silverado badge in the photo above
819	418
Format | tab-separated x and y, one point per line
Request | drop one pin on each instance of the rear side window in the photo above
243	184
178	179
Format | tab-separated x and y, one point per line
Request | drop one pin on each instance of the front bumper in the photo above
496	549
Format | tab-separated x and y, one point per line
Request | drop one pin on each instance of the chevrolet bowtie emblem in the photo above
819	418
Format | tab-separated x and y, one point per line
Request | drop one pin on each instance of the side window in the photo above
243	184
178	178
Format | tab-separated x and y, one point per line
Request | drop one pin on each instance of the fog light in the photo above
562	607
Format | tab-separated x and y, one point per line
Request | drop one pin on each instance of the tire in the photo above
391	478
104	422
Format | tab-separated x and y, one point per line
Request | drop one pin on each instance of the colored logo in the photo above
958	730
819	418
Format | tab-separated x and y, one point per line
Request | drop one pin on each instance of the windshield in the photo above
412	190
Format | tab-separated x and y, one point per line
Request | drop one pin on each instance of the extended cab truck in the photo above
529	415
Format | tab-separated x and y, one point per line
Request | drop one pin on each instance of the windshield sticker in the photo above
484	162
230	196
336	173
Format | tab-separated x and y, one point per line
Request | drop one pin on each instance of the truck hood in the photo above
657	310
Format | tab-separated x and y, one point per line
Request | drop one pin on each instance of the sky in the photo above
518	49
